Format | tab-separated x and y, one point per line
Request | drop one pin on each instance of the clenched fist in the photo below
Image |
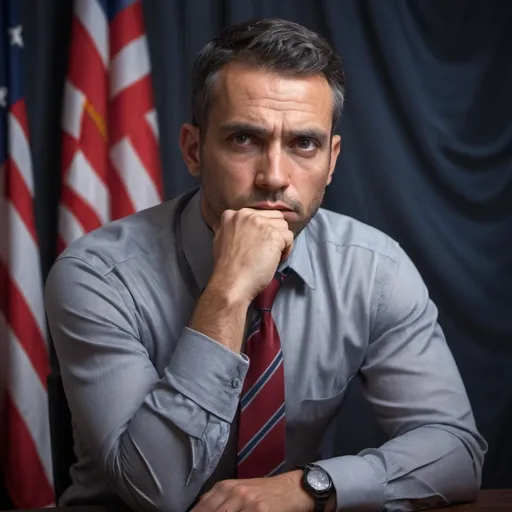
247	249
248	246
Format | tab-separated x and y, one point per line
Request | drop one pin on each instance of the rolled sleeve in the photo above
208	373
356	482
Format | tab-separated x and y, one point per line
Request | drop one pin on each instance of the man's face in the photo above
268	144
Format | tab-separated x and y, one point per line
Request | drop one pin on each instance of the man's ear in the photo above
190	145
335	151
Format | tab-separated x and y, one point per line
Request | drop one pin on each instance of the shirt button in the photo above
236	382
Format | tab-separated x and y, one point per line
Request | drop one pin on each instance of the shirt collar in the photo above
197	239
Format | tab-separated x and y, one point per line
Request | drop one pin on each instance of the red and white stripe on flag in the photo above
25	446
110	161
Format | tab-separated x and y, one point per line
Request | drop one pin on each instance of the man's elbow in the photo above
467	464
142	488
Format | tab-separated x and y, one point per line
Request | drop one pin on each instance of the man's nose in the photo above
274	170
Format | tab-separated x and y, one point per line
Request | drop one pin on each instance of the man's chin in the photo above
296	228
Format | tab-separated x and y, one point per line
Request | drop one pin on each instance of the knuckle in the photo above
241	491
244	212
225	485
258	221
227	215
260	506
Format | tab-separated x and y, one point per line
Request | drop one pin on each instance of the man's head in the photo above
266	98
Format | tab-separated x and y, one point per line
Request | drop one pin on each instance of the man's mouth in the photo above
272	206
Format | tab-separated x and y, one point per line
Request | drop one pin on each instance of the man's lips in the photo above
272	206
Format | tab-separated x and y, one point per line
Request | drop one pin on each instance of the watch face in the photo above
318	479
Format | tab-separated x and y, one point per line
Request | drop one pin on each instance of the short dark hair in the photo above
272	44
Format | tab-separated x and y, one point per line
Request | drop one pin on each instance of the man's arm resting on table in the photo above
435	453
132	421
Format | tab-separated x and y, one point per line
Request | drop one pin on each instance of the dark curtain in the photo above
426	157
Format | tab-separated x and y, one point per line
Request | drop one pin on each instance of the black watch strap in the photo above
319	506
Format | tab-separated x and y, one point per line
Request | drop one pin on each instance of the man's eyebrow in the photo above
259	131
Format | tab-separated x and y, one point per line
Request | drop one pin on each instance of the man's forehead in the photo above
239	78
250	93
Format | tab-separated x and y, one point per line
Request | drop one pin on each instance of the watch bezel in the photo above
315	493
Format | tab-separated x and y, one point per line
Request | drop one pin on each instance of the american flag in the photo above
111	165
25	452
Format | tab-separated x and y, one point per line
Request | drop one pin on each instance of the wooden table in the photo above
499	500
488	501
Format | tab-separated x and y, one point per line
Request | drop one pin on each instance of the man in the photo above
206	344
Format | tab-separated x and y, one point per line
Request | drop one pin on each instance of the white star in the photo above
16	38
3	97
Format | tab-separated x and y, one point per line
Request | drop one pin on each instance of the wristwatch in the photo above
318	484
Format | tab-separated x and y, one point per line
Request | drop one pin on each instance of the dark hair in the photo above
273	44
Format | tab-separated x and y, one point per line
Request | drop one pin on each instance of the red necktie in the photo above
262	426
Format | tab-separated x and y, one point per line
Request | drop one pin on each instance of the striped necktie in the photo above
262	426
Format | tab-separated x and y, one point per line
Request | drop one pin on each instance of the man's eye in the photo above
242	139
306	144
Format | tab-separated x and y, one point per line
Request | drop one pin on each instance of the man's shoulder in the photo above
138	235
342	231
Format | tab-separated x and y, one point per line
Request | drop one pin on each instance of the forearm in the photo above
430	466
221	315
173	442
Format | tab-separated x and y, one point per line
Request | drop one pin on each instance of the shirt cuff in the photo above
356	481
208	373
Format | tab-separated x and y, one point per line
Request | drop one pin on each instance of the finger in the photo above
226	216
268	214
215	497
279	224
219	502
209	501
288	239
282	239
285	254
230	505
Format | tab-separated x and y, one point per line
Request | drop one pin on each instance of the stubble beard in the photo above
216	205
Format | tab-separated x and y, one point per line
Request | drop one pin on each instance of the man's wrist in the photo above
228	295
294	479
220	315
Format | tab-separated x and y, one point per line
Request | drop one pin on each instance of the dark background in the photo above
426	157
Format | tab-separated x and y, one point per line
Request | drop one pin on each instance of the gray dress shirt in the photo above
154	403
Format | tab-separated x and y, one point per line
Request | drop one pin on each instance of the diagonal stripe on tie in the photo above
259	436
260	353
268	455
265	377
262	407
277	469
254	327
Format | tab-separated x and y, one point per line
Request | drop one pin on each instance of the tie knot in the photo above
264	300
